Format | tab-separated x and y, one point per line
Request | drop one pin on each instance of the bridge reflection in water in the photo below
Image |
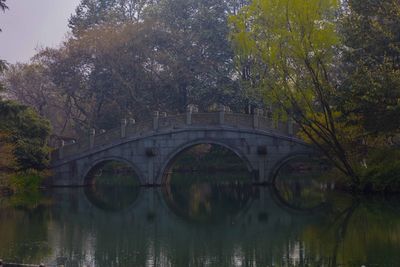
194	221
157	229
188	226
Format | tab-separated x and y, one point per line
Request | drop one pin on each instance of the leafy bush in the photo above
382	171
27	133
28	181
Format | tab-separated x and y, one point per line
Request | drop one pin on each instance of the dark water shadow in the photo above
112	198
112	186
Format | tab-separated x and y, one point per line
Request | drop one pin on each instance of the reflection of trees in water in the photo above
207	202
196	191
301	183
24	234
349	231
357	232
112	173
353	232
113	186
303	197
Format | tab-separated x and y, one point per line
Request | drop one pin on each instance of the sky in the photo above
31	24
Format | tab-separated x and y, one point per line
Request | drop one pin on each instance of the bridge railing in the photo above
162	122
239	120
171	121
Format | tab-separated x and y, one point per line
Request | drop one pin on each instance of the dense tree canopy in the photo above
294	44
27	133
130	58
371	88
333	68
23	133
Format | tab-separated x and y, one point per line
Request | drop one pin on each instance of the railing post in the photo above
275	123
91	138
256	118
60	152
124	123
156	117
290	125
189	116
221	115
132	123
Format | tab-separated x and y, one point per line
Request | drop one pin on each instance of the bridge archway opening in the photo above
208	183
302	182
204	161
112	185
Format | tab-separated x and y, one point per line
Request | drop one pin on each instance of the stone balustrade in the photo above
162	122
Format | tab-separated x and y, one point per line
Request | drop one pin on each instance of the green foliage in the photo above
90	14
293	46
27	132
3	68
28	181
371	87
382	171
129	58
28	200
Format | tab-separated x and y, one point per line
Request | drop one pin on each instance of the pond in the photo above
202	217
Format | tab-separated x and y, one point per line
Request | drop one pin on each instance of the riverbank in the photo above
7	264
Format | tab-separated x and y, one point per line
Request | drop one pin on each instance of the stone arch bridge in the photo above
150	147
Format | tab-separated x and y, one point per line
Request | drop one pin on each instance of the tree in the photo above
198	53
3	68
30	84
3	7
108	73
371	90
23	133
7	158
27	133
3	64
129	58
93	13
294	45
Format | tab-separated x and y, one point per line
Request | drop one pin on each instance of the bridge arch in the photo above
277	196
170	159
277	167
150	147
86	178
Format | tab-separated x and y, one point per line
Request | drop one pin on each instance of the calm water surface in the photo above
205	221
